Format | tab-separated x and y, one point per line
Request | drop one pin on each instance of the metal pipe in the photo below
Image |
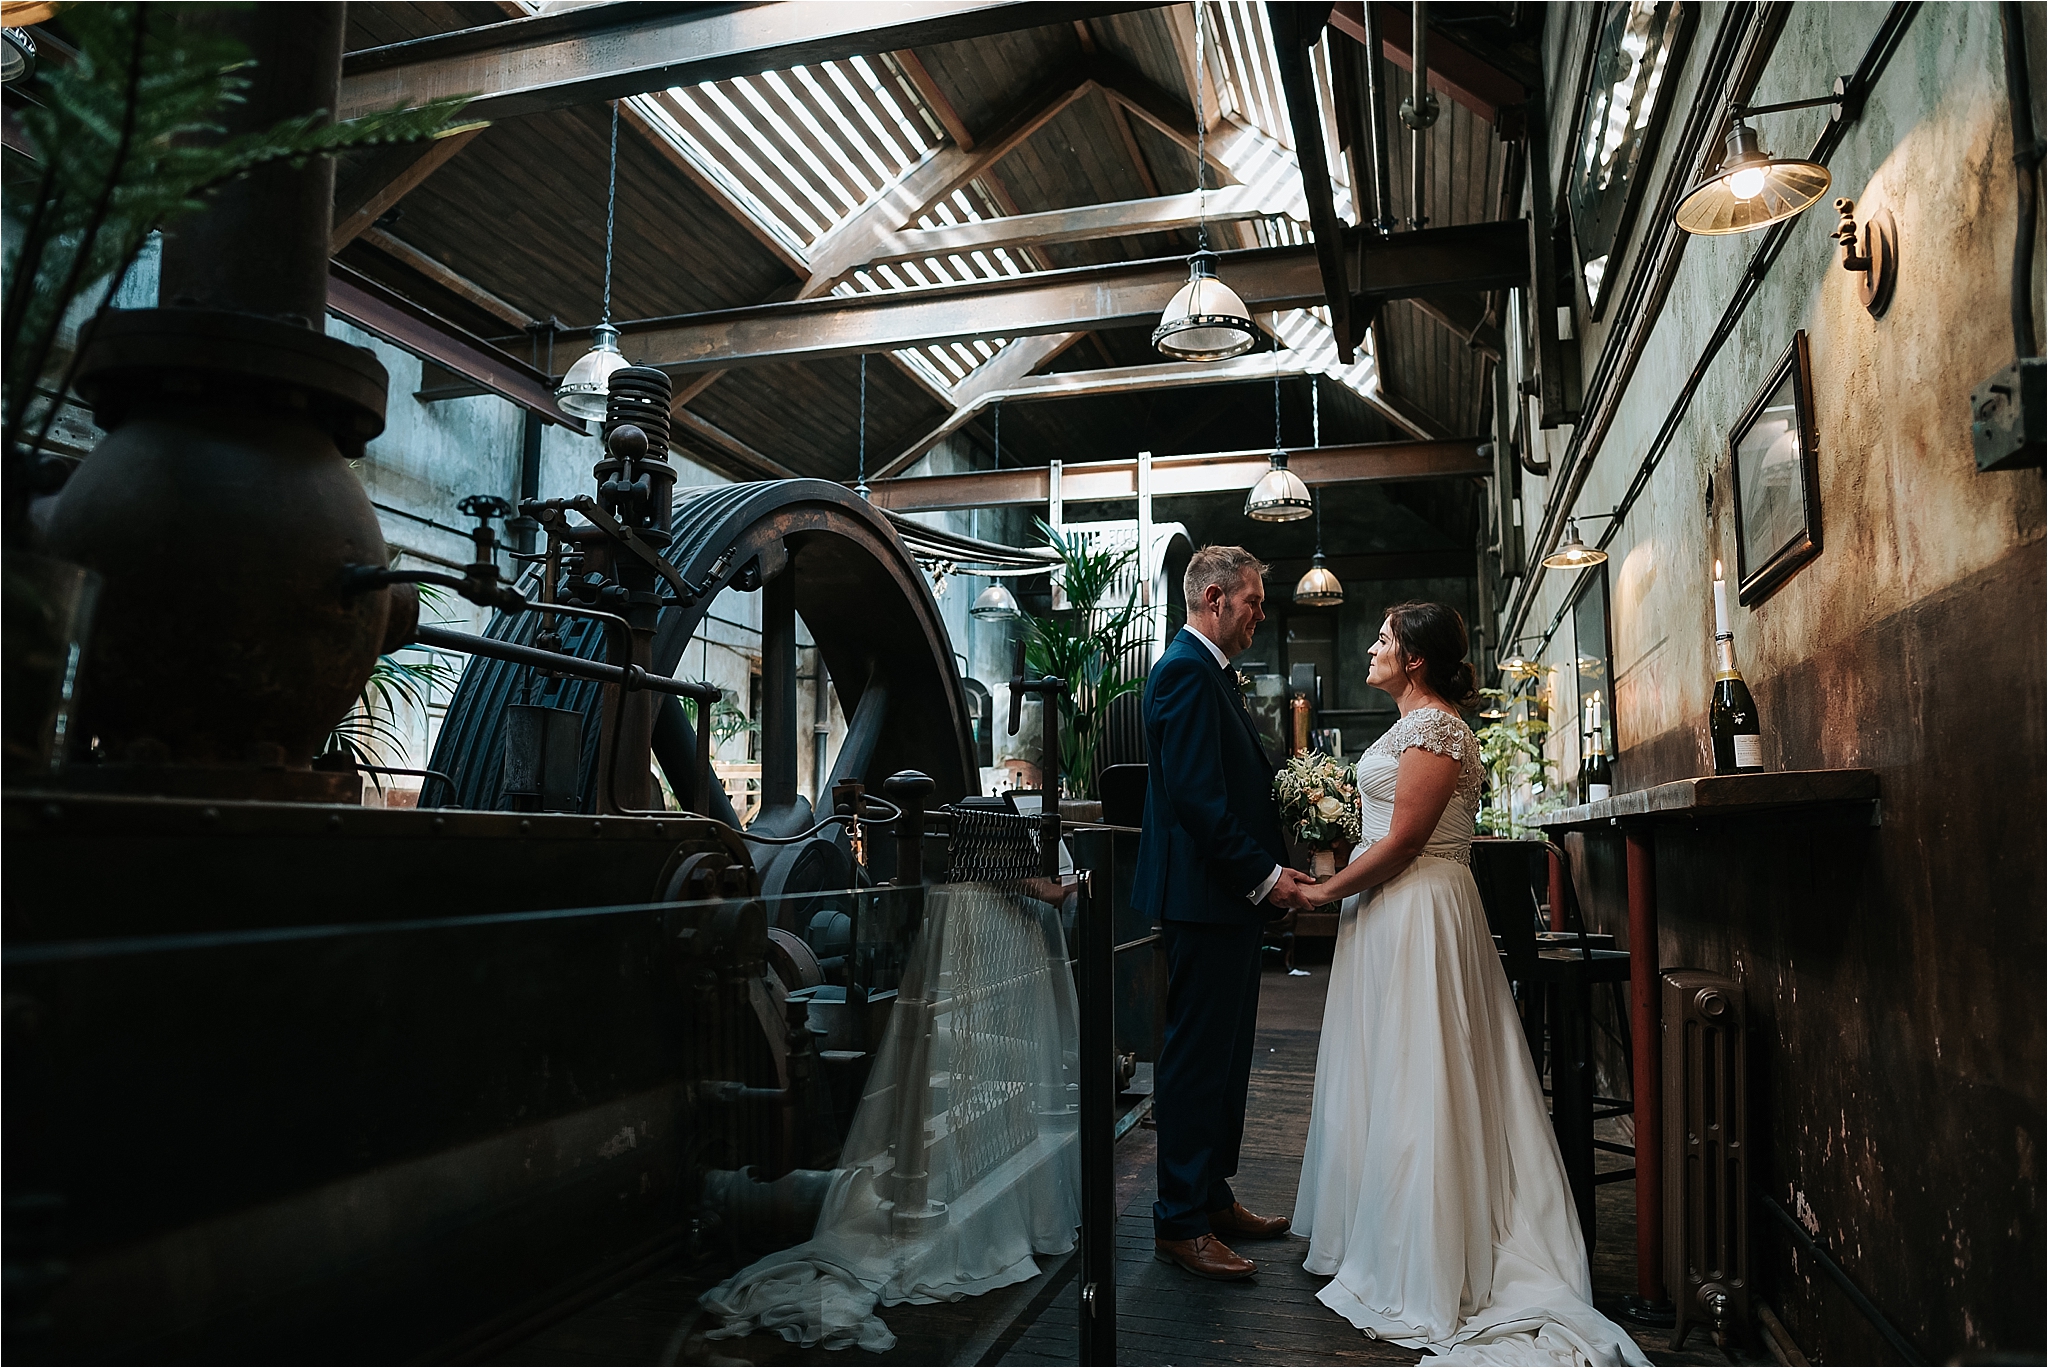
2026	165
1900	1346
1376	113
573	666
1646	1082
1419	111
1097	1058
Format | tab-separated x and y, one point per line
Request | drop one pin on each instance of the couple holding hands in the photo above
1432	1191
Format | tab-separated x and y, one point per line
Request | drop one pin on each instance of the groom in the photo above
1211	868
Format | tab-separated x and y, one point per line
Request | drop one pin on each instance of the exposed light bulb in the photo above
1747	183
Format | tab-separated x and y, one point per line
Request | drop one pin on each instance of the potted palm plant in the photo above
1093	644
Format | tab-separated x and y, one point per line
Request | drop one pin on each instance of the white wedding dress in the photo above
1432	1187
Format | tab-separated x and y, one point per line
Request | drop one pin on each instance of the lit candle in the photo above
1720	602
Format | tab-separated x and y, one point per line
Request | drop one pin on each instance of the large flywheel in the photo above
816	551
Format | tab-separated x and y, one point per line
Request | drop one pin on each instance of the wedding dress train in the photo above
1432	1187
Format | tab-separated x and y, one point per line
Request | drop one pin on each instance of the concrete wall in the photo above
1894	976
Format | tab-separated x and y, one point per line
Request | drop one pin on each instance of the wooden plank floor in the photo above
1164	1315
1167	1316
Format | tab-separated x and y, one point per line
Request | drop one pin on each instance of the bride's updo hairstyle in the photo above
1434	634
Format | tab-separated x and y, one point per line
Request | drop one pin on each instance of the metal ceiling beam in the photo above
461	286
854	242
1468	316
1480	256
1089	222
992	377
756	466
357	299
1296	29
386	178
1215	472
1466	78
1369	566
1018	386
605	52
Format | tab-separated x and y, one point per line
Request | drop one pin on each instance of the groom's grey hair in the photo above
1223	566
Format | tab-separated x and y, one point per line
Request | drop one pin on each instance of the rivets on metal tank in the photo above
525	826
334	822
440	823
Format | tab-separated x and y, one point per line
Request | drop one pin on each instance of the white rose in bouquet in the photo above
1329	808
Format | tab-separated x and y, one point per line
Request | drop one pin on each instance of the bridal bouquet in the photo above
1319	800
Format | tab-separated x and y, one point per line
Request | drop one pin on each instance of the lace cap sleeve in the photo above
1435	731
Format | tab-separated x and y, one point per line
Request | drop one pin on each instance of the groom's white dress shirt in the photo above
1257	895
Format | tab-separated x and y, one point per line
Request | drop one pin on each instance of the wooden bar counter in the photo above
1708	798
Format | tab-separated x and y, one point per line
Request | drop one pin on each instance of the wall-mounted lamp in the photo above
1574	554
1878	261
1752	189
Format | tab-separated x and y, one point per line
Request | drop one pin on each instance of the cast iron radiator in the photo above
1706	1163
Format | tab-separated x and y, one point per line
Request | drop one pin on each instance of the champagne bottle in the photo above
1737	731
1597	773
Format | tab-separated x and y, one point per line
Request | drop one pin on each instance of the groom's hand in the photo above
1292	891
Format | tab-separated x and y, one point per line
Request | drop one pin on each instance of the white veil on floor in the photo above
963	1160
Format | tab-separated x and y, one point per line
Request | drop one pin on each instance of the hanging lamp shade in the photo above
1751	189
1319	588
1205	320
1493	710
996	604
1574	554
584	389
17	54
1515	665
1279	496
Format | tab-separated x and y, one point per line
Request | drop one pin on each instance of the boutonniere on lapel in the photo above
1244	690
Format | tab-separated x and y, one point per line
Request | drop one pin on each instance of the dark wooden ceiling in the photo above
518	214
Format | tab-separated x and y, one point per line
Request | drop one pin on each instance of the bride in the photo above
1432	1187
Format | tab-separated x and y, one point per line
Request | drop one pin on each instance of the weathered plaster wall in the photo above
1894	975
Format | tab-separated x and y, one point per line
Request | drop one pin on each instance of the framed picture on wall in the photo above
1774	474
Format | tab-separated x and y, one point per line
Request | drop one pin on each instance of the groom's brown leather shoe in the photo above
1240	1224
1205	1256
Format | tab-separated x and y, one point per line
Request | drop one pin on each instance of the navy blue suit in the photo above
1212	836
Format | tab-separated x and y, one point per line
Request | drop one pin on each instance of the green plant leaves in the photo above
1090	646
127	139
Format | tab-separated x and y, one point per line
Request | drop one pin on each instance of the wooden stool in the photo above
1563	972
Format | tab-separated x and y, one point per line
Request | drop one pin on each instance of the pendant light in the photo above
1205	320
1320	587
1574	554
1279	496
996	603
586	388
1515	665
1751	189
